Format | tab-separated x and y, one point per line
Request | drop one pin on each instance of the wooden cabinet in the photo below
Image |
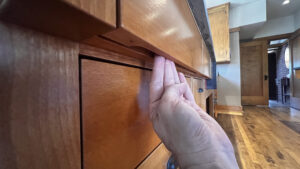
73	19
117	132
39	112
103	10
219	24
203	97
67	104
166	28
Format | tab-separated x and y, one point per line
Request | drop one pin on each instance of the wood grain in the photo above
206	66
116	130
254	67
104	10
219	24
157	160
166	28
115	52
73	19
39	95
202	64
262	139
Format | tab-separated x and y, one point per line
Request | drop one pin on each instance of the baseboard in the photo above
231	110
295	102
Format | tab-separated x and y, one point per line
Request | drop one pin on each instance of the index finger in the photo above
157	79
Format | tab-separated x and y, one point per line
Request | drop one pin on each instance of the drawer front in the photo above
165	27
116	130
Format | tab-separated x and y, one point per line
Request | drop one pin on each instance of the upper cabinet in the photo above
72	19
165	27
219	25
104	10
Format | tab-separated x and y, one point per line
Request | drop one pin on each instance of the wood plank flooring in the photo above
265	138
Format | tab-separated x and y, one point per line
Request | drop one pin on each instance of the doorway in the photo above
279	81
272	76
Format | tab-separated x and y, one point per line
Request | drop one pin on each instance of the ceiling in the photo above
275	9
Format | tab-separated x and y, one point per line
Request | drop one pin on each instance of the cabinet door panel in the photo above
219	24
117	132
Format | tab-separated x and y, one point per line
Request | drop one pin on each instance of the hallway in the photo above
265	137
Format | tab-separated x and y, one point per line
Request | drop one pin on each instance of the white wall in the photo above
297	20
276	26
248	14
229	76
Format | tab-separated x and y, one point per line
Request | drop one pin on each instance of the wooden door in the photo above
117	132
254	73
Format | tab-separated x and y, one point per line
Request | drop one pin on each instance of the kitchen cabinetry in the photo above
166	28
75	77
73	19
219	24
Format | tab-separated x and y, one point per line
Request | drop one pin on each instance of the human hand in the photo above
194	137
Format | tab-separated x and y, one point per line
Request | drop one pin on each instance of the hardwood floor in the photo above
265	137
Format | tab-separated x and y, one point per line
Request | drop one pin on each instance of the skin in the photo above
195	138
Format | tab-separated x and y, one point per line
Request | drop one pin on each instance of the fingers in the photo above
157	79
188	94
169	75
175	74
175	91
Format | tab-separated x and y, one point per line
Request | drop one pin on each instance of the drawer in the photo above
117	132
164	27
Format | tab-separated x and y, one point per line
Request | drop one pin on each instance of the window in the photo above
287	57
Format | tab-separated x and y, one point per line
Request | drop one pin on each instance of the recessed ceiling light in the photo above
285	2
